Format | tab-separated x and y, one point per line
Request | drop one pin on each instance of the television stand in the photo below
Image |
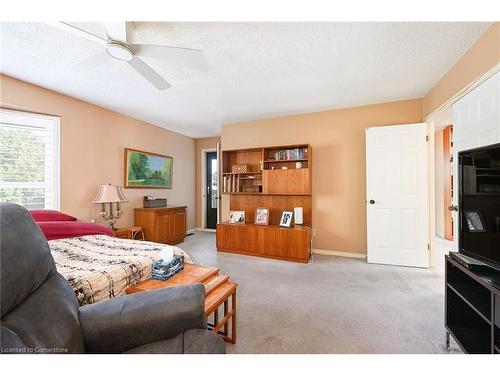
472	308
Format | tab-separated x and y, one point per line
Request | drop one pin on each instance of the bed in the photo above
96	264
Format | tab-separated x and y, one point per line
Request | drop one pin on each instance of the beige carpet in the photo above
331	305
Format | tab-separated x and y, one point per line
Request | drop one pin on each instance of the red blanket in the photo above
54	230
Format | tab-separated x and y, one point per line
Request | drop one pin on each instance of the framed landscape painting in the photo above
147	170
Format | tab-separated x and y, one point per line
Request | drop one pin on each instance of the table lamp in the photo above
110	194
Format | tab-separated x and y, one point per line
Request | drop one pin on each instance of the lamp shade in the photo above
109	194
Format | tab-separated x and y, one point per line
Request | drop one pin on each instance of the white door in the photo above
476	123
397	195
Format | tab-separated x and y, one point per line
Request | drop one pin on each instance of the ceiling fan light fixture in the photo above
119	51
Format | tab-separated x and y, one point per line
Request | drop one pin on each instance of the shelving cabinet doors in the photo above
286	181
177	226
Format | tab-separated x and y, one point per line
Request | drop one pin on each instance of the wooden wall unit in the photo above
276	203
286	181
165	224
265	183
268	241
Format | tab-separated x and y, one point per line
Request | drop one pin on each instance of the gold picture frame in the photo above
147	170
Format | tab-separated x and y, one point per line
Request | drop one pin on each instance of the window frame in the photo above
24	118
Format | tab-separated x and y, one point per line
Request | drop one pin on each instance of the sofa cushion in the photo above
193	341
46	321
170	346
202	341
25	258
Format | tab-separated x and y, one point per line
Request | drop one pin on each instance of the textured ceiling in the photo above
255	70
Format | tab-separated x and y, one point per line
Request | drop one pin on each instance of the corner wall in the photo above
480	58
92	150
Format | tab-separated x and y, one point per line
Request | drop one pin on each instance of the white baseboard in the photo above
336	253
205	230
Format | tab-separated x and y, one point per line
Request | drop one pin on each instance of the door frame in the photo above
438	119
204	152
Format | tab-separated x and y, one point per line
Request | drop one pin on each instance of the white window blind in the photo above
29	159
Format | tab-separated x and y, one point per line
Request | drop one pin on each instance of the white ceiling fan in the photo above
116	46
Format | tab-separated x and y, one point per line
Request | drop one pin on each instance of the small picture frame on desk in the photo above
237	217
261	216
286	219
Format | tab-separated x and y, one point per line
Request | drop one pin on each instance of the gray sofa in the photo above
40	313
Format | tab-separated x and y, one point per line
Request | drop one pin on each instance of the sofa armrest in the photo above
125	322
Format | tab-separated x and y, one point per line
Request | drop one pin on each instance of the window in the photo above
29	159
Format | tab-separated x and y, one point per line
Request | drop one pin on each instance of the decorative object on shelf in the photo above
239	168
262	216
237	217
261	165
165	269
284	167
298	215
298	164
110	194
273	167
151	202
474	221
147	170
286	219
292	154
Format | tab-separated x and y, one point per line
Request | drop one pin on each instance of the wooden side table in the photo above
220	291
130	233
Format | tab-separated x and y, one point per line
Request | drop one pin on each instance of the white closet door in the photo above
476	123
397	195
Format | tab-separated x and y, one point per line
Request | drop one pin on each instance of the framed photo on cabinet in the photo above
286	219
262	216
237	217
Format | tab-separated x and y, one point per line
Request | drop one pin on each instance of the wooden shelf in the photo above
294	227
266	194
233	173
284	161
280	190
268	241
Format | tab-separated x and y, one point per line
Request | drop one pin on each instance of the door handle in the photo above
453	207
372	201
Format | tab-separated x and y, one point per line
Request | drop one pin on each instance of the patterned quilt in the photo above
100	267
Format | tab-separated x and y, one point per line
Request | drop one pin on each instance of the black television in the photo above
479	204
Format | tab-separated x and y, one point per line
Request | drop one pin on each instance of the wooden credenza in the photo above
165	224
269	241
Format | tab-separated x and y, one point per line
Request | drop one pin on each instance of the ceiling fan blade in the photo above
94	61
80	32
119	31
189	56
148	73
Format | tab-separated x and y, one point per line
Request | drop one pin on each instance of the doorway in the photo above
448	182
211	190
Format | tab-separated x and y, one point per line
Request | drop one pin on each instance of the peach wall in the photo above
338	141
92	144
480	58
200	144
